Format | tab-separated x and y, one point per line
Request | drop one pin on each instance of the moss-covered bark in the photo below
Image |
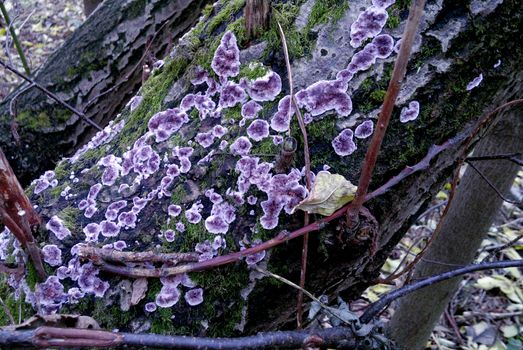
339	261
97	70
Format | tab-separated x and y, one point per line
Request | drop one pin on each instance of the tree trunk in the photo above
236	300
97	70
463	229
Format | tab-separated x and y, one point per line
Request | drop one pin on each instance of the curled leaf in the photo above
329	193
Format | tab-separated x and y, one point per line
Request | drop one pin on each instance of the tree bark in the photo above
463	229
97	70
90	6
236	300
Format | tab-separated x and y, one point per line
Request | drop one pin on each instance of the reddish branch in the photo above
17	213
400	67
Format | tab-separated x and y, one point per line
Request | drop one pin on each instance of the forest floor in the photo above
487	311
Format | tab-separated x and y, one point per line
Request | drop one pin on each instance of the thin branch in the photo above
491	185
12	31
497	249
400	68
386	299
46	337
98	254
51	95
308	178
513	157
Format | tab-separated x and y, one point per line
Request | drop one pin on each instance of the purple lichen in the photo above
193	213
164	124
241	146
231	95
410	113
174	210
475	82
150	307
56	226
251	109
216	224
265	88
168	296
364	130
226	60
52	255
281	120
368	24
194	297
258	130
343	144
324	96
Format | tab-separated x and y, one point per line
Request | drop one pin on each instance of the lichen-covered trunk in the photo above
97	70
148	193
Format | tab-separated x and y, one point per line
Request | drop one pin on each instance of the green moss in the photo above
207	10
253	71
111	317
134	9
55	192
325	11
28	120
223	285
225	14
378	96
70	217
17	308
31	275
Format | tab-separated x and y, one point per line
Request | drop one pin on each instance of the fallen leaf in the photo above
329	193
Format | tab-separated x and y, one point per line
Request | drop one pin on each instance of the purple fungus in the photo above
174	210
109	229
205	139
271	209
251	109
185	165
63	272
384	44
223	145
226	60
90	211
119	245
52	255
100	287
241	146
110	175
193	213
169	235
164	124
277	139
265	88
368	24
205	250
150	307
363	59
307	118
216	224
364	130
200	76
218	243
74	295
219	131
231	95
180	226
168	296
173	170
409	113
252	200
56	226
343	144
475	82
194	297
324	96
139	204
50	293
258	130
282	118
127	219
183	152
92	231
93	191
344	75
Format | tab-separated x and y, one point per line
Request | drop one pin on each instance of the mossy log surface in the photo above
96	71
459	40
